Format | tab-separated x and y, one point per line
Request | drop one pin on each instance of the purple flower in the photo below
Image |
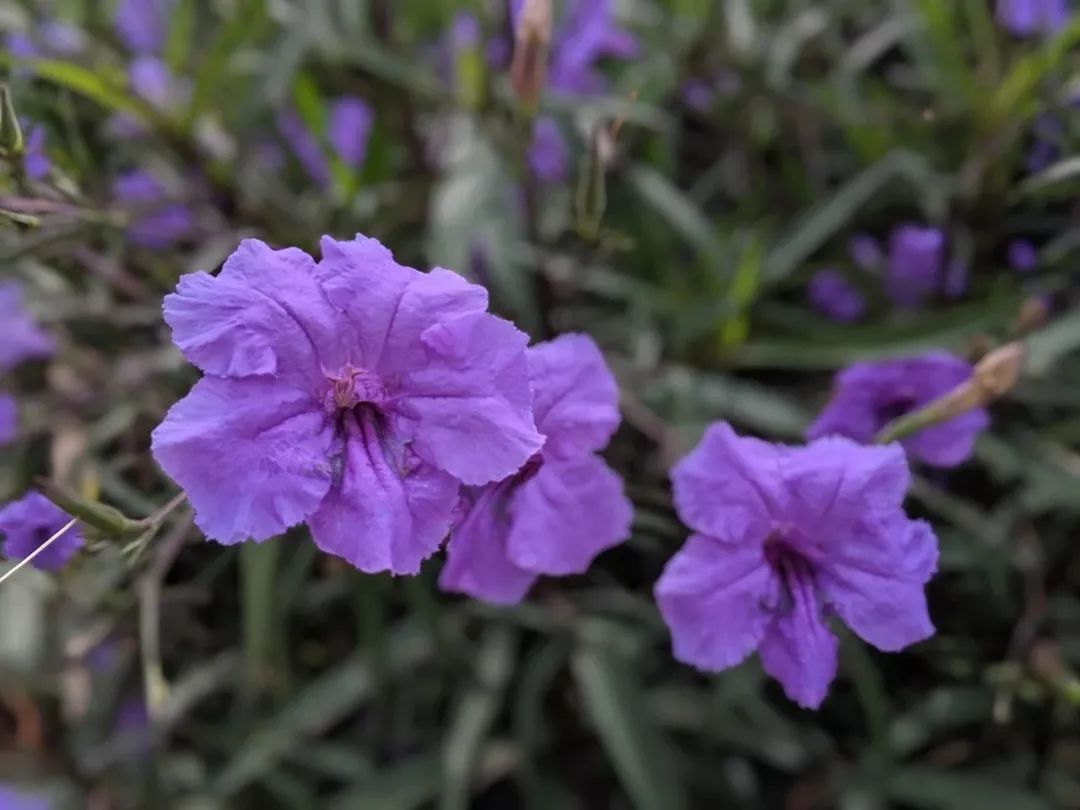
12	798
1022	255
157	223
867	396
586	34
865	252
21	46
29	522
20	338
304	145
697	94
916	263
35	162
548	156
153	82
354	394
349	128
833	295
565	505
8	418
61	38
785	537
141	24
1026	18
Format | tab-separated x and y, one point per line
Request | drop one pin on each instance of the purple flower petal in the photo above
586	34
253	455
876	584
477	561
798	649
834	296
305	146
141	24
153	82
727	486
387	510
867	396
20	338
1026	18
27	523
575	397
12	798
916	263
1023	256
265	313
470	409
349	128
566	514
548	151
713	596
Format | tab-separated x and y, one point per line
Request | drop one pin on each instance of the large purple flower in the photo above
20	337
867	396
29	522
565	506
916	264
355	394
785	537
1027	18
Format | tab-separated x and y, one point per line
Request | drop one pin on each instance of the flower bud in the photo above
532	40
11	137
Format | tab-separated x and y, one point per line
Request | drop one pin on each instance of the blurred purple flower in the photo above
349	128
355	394
865	252
142	24
834	296
697	94
61	38
21	46
464	31
1022	255
8	418
304	145
35	163
12	798
153	82
548	152
157	222
1026	18
20	337
1049	134
586	33
784	538
29	522
916	264
565	506
867	396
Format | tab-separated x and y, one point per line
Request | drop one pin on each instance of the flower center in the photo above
895	406
792	565
355	386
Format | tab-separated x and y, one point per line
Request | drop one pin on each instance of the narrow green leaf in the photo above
638	750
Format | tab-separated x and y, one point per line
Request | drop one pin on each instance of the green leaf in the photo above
1048	346
321	704
616	704
244	24
474	713
677	209
937	789
835	213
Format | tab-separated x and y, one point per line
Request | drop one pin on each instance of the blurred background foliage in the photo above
185	674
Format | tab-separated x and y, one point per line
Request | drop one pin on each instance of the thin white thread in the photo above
26	560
